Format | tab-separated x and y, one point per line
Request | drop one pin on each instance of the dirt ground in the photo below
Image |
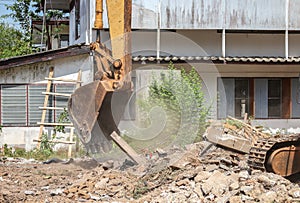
197	174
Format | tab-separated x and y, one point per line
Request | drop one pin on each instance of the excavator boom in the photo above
95	109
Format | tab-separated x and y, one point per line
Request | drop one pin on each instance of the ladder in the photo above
46	108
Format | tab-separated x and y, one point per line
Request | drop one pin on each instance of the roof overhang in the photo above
63	5
217	59
44	56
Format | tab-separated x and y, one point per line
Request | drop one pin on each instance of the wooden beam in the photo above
64	80
56	94
48	88
52	108
55	124
127	148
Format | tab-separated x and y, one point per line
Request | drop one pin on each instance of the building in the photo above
247	52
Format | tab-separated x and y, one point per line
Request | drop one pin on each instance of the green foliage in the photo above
182	99
46	146
63	118
12	42
237	124
7	151
21	13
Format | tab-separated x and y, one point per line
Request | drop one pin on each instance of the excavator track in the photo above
258	153
261	155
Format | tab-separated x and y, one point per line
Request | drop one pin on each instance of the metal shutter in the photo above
36	100
13	104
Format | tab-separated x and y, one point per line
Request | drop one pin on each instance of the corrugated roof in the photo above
218	59
44	56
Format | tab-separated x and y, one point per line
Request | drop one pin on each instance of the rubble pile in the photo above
203	172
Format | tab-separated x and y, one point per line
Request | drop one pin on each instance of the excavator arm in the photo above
95	109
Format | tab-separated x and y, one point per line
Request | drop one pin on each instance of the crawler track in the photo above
263	148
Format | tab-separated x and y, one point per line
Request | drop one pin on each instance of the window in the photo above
274	98
241	97
233	97
20	103
268	98
263	98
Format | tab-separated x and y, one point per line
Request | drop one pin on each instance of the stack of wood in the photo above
242	129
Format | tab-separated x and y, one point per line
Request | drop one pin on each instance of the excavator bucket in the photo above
95	110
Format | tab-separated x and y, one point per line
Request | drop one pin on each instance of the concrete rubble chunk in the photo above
235	199
268	197
29	192
56	192
244	175
102	183
246	189
295	193
266	181
202	175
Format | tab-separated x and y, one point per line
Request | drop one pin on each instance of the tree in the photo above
21	13
12	42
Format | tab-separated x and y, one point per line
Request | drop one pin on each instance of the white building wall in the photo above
65	67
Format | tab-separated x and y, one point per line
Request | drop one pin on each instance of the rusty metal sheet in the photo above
191	14
294	14
255	14
215	14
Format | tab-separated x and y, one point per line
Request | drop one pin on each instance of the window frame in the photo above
286	105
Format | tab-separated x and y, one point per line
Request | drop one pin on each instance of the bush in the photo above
181	100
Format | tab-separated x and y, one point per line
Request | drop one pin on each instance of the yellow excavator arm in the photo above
95	109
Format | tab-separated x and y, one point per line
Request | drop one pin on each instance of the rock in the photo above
268	197
198	191
246	189
243	165
182	182
108	165
56	192
102	183
225	197
206	187
266	181
246	198
211	167
5	192
210	198
235	199
295	193
94	197
244	175
29	192
202	175
45	188
161	152
234	186
226	168
217	183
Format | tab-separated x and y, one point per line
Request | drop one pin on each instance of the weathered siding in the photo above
217	14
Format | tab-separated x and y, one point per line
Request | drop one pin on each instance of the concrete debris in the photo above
218	175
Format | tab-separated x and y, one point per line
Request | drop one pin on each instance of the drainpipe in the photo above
287	2
158	32
224	29
98	24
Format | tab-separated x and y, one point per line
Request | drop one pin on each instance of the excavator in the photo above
95	109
